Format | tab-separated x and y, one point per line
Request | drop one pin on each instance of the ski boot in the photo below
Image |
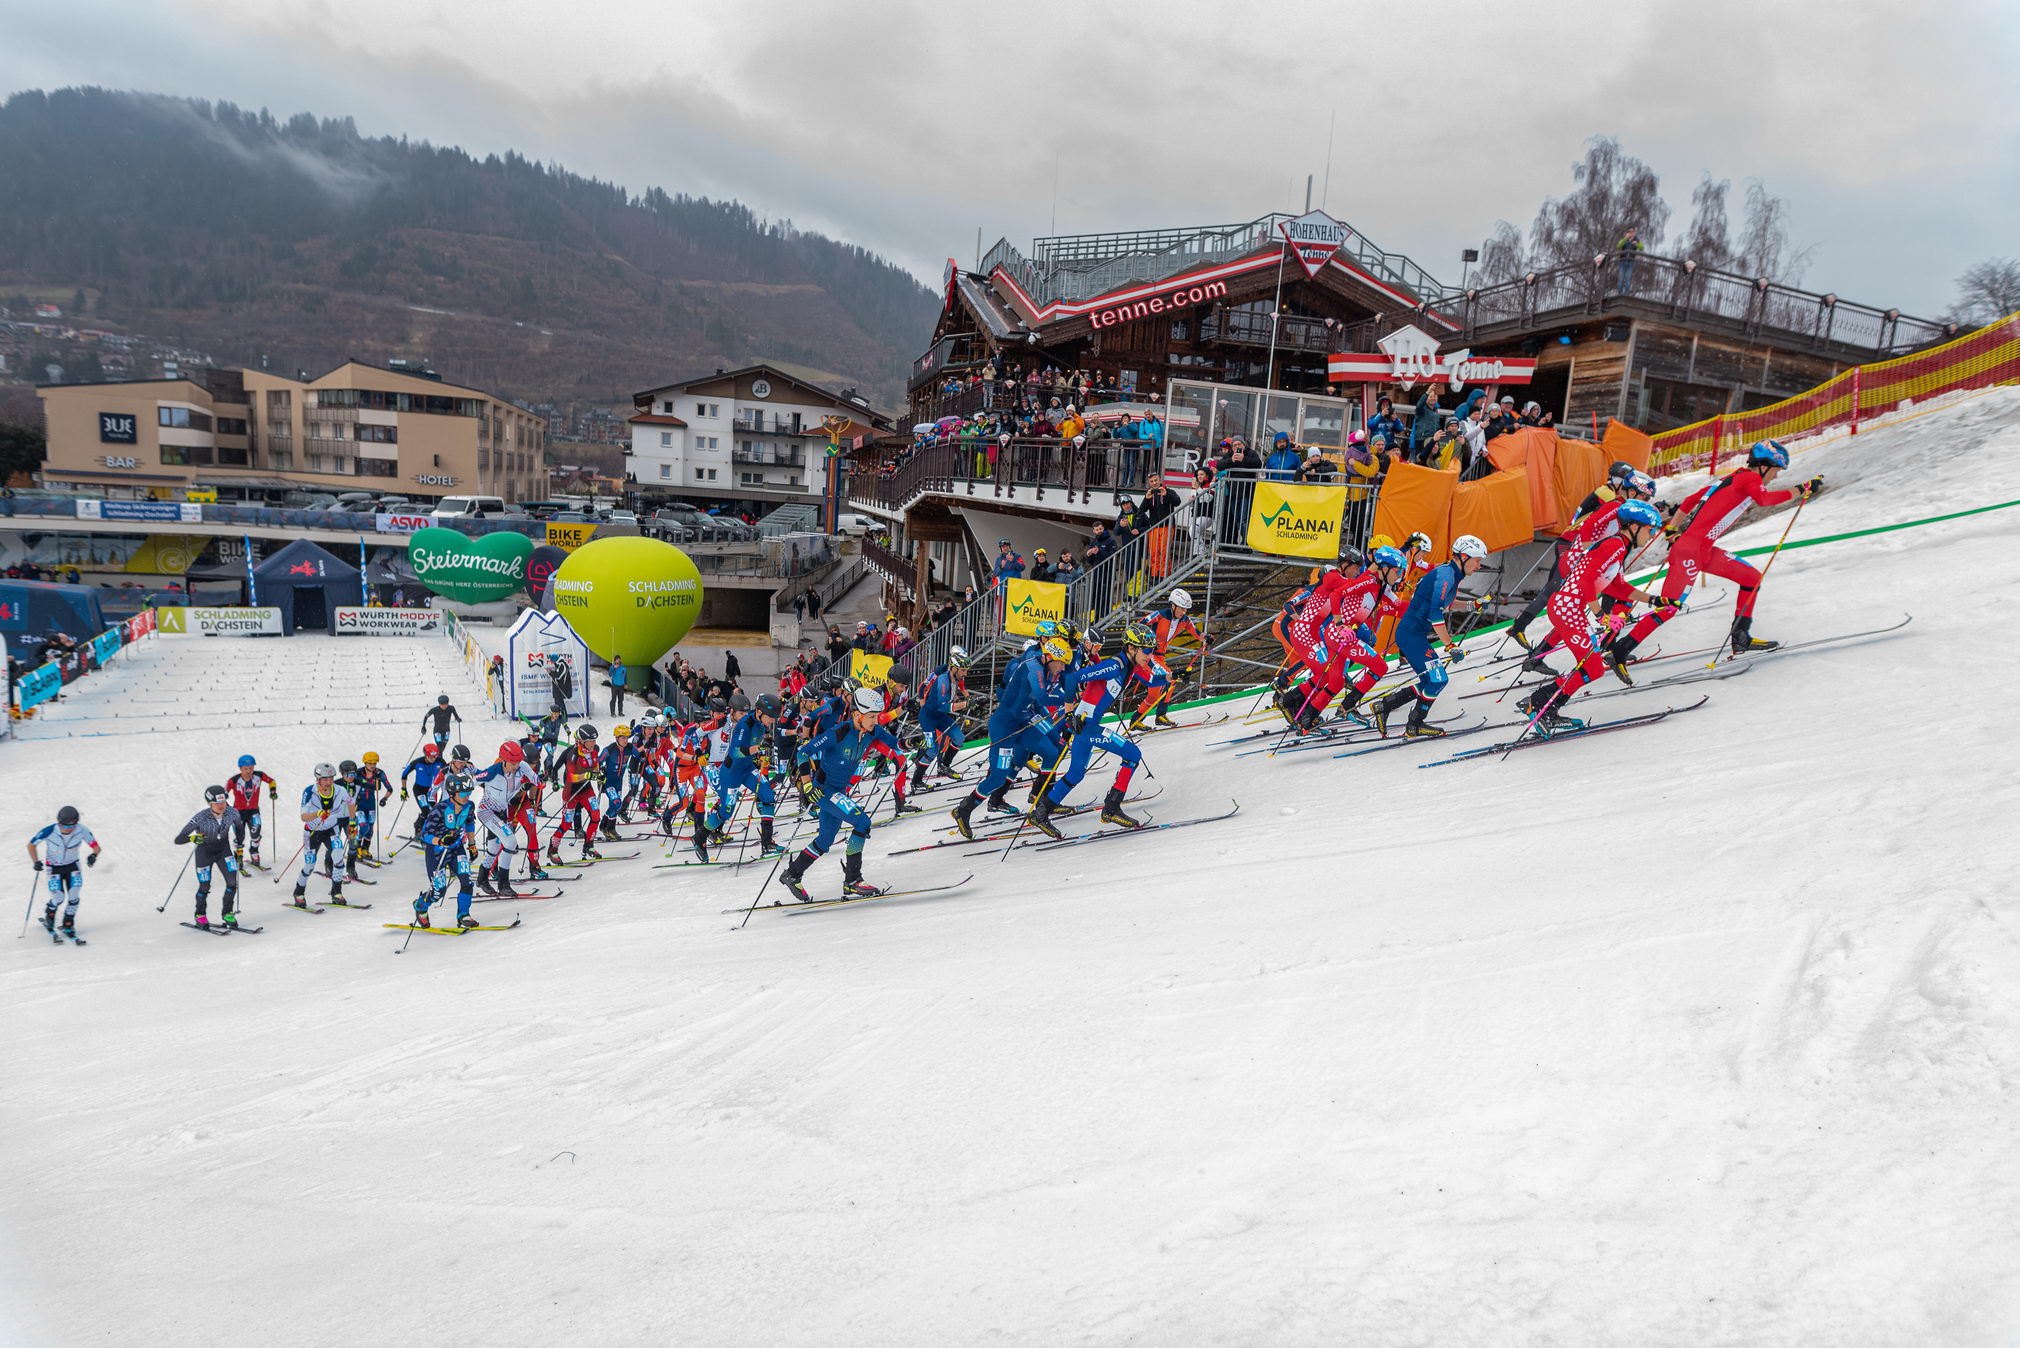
483	881
1521	637
1542	706
1307	719
853	883
467	921
49	920
301	899
501	880
1350	699
200	922
1536	664
964	812
944	765
1619	654
253	858
1417	728
1389	706
421	907
767	845
918	782
609	832
902	807
533	871
230	919
589	852
1112	812
1040	817
554	855
1744	641
1289	704
794	873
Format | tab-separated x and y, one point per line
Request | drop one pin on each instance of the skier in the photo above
550	730
61	843
373	789
1095	688
1608	493
837	757
1601	521
348	825
1589	574
1167	623
424	769
446	830
1421	621
1331	633
739	772
436	719
1014	727
940	704
897	695
578	769
243	787
613	764
525	807
499	786
1705	515
325	805
211	829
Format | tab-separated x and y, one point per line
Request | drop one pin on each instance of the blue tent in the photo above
29	608
307	582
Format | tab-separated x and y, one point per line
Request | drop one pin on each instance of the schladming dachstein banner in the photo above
1026	603
1290	519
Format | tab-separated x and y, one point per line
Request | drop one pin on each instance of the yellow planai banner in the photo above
569	536
1030	602
1290	519
867	669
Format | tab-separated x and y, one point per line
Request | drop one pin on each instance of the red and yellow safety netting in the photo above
1980	359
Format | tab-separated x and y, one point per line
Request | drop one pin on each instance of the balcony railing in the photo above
769	458
1044	464
757	425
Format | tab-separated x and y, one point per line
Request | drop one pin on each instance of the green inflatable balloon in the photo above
472	570
628	598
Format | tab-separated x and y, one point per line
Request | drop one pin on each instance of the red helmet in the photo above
430	749
510	752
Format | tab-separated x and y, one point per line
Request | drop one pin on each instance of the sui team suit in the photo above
61	848
242	793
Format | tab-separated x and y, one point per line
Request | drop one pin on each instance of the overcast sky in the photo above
906	125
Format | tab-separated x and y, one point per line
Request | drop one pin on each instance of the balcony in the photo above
752	424
770	458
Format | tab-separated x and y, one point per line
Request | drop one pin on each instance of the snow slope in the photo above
1699	1034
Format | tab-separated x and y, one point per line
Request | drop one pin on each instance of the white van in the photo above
467	507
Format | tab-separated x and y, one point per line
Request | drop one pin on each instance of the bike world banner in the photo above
387	622
220	622
1030	602
869	670
1291	519
569	537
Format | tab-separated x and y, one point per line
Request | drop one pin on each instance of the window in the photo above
750	479
231	426
378	468
666	439
666	409
698	474
236	457
185	454
183	419
711	475
665	471
708	409
378	435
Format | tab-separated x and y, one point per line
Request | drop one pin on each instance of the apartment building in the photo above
740	435
249	433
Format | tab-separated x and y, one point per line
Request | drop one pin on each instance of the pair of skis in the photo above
1574	730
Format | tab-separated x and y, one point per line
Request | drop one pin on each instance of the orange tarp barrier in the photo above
1628	445
1416	499
1495	509
1580	467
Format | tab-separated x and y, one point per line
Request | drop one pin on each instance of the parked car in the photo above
356	500
572	517
394	505
859	526
621	517
308	500
466	507
545	510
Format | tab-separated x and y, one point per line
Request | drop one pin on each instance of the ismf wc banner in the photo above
1289	519
220	622
388	622
38	685
1026	603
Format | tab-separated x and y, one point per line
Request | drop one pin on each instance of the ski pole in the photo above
1510	591
1793	517
34	880
403	781
291	860
771	874
178	881
1044	785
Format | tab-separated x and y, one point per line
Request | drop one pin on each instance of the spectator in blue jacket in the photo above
1284	461
1009	566
1387	424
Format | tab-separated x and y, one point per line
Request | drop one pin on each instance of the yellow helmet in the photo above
1055	648
371	756
622	730
1381	541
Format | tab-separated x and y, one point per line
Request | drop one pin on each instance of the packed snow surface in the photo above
1700	1034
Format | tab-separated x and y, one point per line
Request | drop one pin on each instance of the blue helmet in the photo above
1639	482
1387	557
1047	628
1768	454
1639	512
247	761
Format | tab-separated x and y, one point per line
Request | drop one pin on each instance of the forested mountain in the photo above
307	242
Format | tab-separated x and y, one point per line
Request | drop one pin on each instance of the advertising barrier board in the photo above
220	622
387	622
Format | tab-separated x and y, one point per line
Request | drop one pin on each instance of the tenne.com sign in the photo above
1181	298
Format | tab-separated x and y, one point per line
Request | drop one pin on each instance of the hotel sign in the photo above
434	479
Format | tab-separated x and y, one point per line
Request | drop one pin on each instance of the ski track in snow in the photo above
1702	1034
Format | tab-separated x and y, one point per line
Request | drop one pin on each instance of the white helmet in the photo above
958	657
1465	545
869	699
1180	599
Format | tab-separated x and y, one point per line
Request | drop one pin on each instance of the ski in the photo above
217	927
249	931
1015	815
303	907
338	903
519	894
1398	741
1193	724
448	931
1508	688
1054	846
1580	731
1672	681
845	899
75	939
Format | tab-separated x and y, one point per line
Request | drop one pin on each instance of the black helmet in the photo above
899	675
585	731
738	702
212	794
717	705
1618	469
460	754
767	705
1351	556
442	701
347	767
67	816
